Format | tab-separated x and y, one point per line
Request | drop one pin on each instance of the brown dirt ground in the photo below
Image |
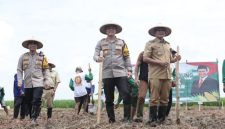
212	118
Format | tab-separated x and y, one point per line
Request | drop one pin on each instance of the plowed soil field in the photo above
212	118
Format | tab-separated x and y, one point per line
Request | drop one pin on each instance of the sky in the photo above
69	31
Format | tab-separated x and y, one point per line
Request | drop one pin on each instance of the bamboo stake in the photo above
186	106
99	90
177	89
199	107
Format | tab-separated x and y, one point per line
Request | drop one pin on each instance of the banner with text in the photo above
199	82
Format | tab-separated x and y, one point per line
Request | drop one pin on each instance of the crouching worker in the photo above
2	102
78	84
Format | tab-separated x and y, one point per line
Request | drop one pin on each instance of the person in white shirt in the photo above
78	84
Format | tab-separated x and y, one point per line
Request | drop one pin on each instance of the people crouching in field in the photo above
78	84
19	99
2	102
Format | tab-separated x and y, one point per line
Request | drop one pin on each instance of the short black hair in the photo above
202	67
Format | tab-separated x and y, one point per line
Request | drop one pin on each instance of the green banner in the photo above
198	82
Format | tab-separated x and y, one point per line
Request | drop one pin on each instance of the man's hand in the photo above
100	59
164	64
116	106
137	81
129	74
178	57
53	92
20	83
173	84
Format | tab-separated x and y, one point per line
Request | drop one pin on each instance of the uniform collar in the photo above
30	53
114	40
159	41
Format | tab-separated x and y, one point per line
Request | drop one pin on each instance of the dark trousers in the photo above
33	97
81	101
87	102
19	107
124	90
169	103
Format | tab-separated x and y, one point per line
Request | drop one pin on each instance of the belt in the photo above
49	88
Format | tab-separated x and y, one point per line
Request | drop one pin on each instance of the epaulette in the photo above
167	42
27	53
103	39
151	41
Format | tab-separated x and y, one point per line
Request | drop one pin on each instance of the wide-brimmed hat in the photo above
78	69
153	30
103	28
26	42
52	65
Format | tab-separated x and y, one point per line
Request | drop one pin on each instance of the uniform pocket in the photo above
118	50
105	50
158	51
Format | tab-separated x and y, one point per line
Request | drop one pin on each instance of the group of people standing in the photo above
35	82
36	79
152	72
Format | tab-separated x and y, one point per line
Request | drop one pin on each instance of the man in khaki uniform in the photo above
33	67
49	92
116	68
157	54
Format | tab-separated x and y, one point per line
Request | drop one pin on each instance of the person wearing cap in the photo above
33	69
78	84
49	91
116	68
141	79
158	55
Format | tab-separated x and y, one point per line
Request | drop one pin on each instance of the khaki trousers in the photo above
160	91
48	97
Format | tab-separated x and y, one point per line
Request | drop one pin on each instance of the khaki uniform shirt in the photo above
115	64
55	77
157	50
34	75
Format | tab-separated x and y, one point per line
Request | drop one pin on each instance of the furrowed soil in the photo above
212	118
